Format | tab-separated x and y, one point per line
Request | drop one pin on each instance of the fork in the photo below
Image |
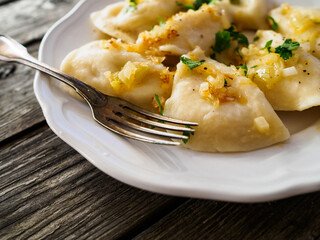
112	113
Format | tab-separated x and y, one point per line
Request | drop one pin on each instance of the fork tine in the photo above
154	115
113	126
147	130
133	116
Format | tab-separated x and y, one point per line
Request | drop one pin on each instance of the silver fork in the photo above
113	113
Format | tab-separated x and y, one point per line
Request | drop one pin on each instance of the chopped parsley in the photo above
225	83
156	97
223	41
238	52
133	2
285	50
188	134
268	46
213	56
185	6
245	68
242	39
235	2
161	22
237	36
132	6
197	4
215	1
159	104
191	64
274	24
224	38
256	38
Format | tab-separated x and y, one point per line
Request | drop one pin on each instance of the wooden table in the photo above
49	191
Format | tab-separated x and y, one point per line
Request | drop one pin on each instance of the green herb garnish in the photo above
235	2
187	134
268	46
223	41
186	7
197	4
256	38
161	22
238	52
242	39
285	50
245	68
255	66
213	56
224	38
215	1
190	63
159	103
156	97
225	83
132	6
237	36
274	24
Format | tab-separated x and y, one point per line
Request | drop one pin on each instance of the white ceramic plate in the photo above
276	172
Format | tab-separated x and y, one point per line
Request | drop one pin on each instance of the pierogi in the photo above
186	30
300	23
289	85
125	20
233	114
247	14
113	69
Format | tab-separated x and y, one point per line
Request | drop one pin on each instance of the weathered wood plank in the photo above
30	19
19	108
25	21
55	193
294	218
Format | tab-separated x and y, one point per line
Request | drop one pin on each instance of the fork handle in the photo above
12	51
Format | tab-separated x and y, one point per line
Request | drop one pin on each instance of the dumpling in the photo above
247	14
186	30
127	19
292	84
300	23
233	114
115	69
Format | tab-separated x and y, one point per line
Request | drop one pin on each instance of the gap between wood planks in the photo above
3	2
22	134
153	218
